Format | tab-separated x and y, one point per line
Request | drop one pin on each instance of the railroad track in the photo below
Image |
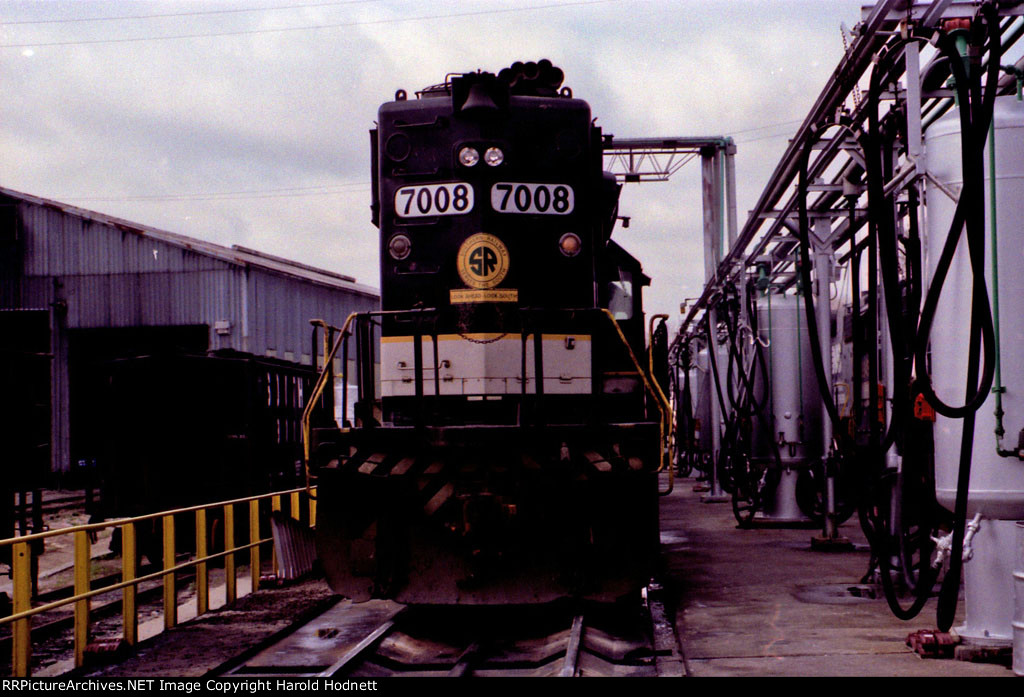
384	639
50	505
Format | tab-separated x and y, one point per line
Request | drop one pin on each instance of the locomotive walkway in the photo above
751	603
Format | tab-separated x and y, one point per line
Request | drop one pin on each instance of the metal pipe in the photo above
823	269
845	77
730	191
997	388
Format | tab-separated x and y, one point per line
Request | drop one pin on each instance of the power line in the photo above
234	10
326	190
771	125
338	25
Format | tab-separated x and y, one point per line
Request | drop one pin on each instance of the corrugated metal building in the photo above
103	288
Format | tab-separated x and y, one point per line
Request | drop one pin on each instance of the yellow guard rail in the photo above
21	561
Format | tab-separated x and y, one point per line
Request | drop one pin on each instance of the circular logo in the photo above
483	261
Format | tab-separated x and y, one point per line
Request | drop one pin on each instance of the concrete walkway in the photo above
760	602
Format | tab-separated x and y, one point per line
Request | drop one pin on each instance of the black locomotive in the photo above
506	442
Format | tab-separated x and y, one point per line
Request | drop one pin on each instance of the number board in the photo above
451	198
543	199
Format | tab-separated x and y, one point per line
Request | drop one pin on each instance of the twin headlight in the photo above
469	156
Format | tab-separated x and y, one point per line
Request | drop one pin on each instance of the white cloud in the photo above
270	112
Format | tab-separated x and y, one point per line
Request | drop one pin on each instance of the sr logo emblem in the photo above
483	261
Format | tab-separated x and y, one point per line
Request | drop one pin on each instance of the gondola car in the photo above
506	440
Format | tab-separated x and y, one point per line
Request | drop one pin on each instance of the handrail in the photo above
661	394
39	609
21	562
318	390
321	382
650	359
663	406
88	527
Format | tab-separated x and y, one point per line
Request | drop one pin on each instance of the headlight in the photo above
399	247
469	157
494	156
570	244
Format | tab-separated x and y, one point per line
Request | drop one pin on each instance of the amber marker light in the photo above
570	244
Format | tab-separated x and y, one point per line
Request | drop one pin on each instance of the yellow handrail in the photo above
650	362
318	389
667	427
659	396
21	561
663	406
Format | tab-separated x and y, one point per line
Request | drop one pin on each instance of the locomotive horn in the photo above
479	99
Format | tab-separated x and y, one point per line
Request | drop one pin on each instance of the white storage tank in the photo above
700	390
794	403
997	483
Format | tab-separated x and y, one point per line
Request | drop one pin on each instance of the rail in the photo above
318	390
659	397
668	419
21	562
651	386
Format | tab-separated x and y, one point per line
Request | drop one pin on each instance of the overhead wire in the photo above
194	13
310	27
285	192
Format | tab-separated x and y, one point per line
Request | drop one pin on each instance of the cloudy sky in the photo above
245	121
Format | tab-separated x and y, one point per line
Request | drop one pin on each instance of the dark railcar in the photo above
185	430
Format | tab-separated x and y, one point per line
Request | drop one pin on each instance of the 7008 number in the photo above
452	198
549	199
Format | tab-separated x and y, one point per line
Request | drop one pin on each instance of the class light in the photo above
570	244
469	156
399	247
494	157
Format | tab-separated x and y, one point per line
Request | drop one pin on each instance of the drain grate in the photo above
838	594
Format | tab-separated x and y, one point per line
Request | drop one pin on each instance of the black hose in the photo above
974	120
883	254
685	409
972	144
975	114
734	462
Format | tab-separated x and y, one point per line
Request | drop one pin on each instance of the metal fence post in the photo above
83	561
130	614
230	582
202	573
254	550
170	594
275	507
21	562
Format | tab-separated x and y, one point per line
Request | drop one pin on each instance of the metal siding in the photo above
109	275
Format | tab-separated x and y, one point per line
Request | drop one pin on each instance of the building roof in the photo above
235	255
